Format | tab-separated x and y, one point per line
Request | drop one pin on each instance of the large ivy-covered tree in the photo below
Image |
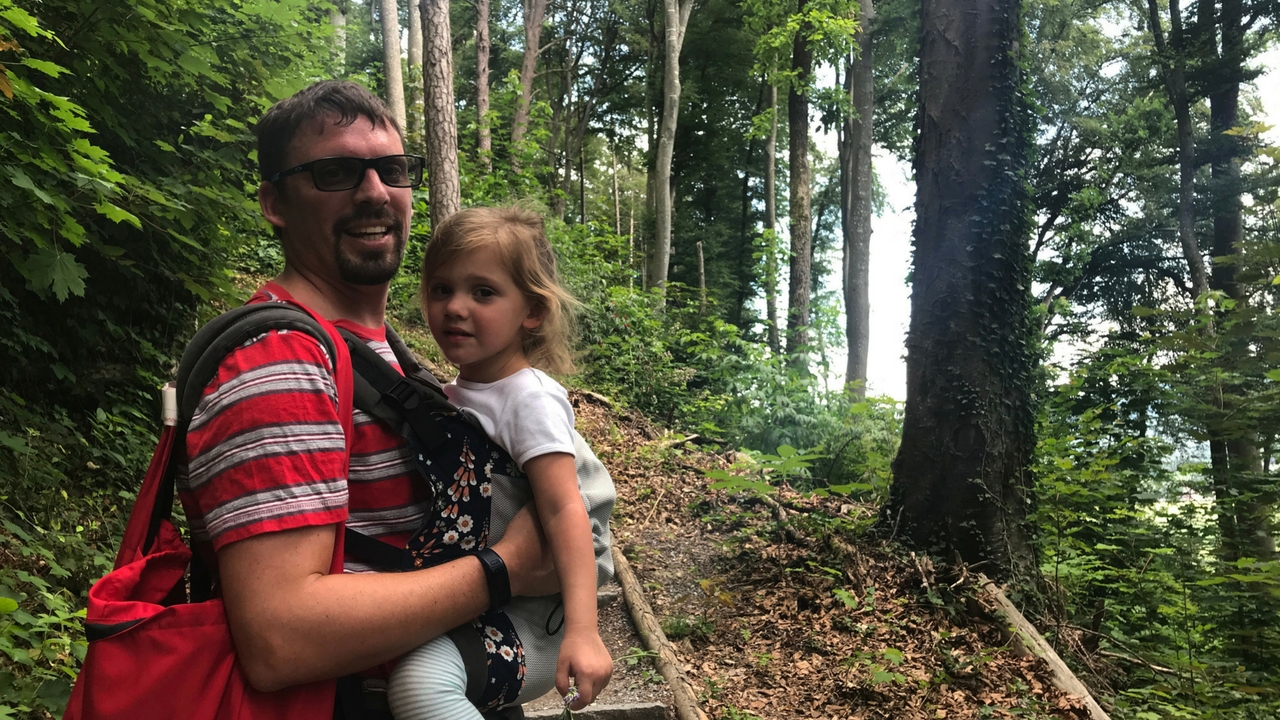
961	479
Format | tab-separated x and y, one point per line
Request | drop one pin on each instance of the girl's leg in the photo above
430	683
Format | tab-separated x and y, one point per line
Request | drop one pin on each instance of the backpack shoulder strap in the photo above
200	361
228	331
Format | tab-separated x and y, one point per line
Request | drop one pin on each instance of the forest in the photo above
1092	408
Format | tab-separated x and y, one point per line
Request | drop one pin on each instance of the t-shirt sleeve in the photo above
265	449
537	421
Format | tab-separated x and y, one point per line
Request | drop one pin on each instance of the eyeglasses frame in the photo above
367	163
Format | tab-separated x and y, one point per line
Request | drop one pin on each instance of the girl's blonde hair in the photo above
521	241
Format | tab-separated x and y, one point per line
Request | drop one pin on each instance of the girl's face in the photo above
478	316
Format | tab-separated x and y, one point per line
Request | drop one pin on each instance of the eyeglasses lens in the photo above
344	173
337	173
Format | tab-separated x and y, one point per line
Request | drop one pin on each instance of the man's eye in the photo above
329	173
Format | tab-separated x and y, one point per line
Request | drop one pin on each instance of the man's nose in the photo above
371	189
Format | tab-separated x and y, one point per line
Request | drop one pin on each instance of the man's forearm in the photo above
293	623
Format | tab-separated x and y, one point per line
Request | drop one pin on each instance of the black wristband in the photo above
495	574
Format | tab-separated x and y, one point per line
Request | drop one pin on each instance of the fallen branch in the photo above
1138	661
650	631
1032	642
662	491
678	440
780	513
595	398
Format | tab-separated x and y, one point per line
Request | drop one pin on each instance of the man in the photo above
267	479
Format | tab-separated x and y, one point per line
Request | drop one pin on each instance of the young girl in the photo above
494	304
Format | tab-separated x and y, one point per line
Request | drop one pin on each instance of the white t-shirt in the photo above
527	413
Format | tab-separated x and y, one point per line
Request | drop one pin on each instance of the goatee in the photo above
373	267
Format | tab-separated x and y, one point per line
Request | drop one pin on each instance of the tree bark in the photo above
1174	73
676	13
617	206
442	122
338	18
801	228
855	205
1244	507
961	483
535	11
390	16
415	95
484	144
702	282
771	225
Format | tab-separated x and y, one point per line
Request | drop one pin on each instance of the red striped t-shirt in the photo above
265	448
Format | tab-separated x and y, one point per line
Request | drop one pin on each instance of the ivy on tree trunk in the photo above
961	483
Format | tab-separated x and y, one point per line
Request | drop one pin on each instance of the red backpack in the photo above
155	652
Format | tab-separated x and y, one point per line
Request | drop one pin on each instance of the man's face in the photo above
356	236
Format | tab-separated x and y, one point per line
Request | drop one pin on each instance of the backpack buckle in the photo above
405	394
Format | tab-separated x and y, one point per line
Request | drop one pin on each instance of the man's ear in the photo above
271	203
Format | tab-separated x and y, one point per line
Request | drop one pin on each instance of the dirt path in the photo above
772	629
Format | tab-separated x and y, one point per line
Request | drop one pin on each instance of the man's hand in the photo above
584	658
524	550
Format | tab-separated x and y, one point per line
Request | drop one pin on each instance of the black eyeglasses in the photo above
334	174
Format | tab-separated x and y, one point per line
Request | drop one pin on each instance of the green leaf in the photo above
22	180
48	268
23	21
7	605
117	214
16	444
51	69
1273	375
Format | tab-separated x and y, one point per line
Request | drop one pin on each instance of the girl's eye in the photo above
484	292
439	291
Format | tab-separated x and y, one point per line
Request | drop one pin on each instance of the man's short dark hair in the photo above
344	100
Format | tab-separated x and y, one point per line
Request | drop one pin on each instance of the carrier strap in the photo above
397	399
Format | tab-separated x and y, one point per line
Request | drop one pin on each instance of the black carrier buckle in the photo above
405	394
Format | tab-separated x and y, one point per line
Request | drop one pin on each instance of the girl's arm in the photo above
554	479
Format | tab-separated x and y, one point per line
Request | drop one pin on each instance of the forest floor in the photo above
802	622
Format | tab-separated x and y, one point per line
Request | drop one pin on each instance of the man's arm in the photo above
294	623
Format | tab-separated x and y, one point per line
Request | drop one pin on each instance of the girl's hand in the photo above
583	657
527	554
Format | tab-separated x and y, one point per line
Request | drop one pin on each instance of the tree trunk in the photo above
961	482
484	145
801	218
1173	70
415	107
338	18
702	282
855	206
391	59
535	11
617	207
442	122
771	225
677	19
1244	507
